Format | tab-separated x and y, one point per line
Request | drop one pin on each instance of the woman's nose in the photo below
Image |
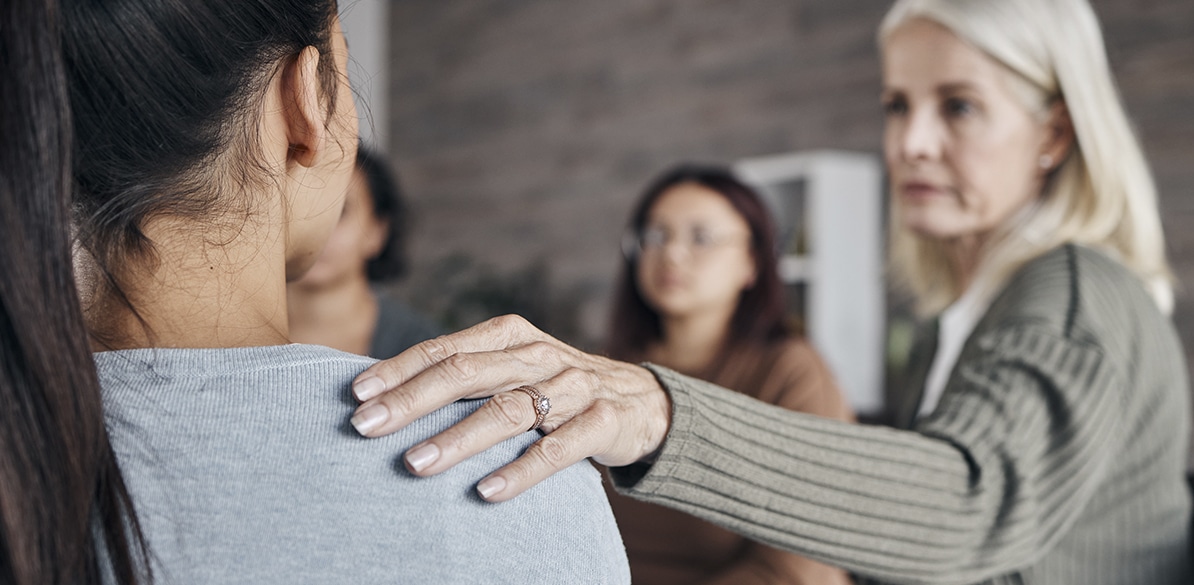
675	248
921	136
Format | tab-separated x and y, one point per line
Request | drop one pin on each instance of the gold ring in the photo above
541	403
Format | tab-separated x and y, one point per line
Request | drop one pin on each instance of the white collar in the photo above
955	325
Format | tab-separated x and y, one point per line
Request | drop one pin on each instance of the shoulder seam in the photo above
1072	307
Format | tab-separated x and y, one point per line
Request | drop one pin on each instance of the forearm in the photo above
898	506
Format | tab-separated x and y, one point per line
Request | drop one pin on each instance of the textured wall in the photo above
524	129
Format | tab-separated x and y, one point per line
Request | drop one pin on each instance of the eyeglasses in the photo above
697	241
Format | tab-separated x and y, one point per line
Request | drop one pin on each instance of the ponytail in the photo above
65	515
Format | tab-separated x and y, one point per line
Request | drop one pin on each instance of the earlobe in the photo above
1059	139
302	108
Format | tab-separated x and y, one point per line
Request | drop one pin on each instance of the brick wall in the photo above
524	129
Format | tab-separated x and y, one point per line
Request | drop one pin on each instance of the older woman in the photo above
1047	444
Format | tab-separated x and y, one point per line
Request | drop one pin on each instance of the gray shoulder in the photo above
1072	289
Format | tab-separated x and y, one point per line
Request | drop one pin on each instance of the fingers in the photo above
505	415
562	448
463	375
495	334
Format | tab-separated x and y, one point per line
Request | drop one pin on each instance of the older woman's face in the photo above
962	152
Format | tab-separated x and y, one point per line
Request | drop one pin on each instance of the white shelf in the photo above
829	204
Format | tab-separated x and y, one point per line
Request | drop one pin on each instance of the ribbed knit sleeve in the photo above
1032	421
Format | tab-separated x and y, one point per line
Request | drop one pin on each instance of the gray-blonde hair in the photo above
1102	195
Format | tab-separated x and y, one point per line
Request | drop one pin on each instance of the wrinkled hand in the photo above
614	412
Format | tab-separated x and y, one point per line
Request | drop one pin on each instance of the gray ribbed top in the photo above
1056	455
243	469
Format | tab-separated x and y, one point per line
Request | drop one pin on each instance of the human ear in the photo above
1059	137
302	108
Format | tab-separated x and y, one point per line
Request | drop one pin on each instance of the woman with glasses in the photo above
700	293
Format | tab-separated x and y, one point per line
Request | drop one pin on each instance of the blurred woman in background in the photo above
341	302
700	293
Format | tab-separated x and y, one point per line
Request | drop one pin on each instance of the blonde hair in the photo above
1102	195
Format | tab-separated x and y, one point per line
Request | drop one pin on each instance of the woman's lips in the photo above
669	281
920	190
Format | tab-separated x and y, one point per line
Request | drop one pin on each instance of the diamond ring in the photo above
542	404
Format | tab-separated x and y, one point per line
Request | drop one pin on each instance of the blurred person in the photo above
700	293
340	302
213	145
1045	441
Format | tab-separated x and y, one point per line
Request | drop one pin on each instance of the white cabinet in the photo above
828	207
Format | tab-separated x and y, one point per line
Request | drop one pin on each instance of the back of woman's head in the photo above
389	206
761	312
1102	194
61	496
165	95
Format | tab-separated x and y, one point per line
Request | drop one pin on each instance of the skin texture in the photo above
964	156
332	303
222	282
695	278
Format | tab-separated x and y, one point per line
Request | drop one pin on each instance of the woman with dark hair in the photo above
213	144
700	293
340	301
62	498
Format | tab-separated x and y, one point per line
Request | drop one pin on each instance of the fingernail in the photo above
370	418
490	486
420	457
367	388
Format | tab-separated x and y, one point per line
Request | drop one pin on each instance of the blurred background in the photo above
523	130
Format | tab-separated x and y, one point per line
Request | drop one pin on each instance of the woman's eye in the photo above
653	238
958	107
895	106
702	238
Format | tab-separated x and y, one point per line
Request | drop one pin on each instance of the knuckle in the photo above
461	368
573	377
540	351
602	414
400	404
453	442
509	410
509	322
436	348
551	451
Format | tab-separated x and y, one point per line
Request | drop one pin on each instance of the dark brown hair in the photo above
388	205
163	94
62	499
760	316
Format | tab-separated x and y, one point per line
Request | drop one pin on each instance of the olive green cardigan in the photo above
1056	454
